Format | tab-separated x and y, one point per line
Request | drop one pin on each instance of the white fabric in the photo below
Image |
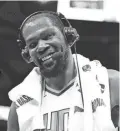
31	87
100	120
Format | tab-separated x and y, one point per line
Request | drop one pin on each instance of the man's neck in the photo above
64	78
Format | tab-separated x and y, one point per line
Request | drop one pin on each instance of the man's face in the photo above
47	46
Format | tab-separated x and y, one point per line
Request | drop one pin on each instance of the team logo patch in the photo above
86	68
97	102
22	100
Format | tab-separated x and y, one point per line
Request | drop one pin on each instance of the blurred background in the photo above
98	40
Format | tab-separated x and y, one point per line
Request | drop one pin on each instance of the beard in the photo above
59	67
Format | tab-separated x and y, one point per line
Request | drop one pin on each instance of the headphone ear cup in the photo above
25	53
26	56
71	34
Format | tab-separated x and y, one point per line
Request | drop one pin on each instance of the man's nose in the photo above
42	47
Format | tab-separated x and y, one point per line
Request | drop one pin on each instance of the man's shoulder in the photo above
114	79
28	85
114	95
113	74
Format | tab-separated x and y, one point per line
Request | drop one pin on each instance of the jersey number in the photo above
56	121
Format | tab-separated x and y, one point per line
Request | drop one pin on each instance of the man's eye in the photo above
47	37
32	45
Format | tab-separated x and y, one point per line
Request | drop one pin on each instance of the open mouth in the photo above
46	57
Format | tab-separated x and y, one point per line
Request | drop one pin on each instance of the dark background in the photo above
98	40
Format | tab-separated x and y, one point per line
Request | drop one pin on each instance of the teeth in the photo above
47	57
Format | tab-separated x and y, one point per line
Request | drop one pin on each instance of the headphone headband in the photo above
60	16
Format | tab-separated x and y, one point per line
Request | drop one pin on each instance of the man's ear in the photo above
26	56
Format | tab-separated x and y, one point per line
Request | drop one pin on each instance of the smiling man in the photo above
64	92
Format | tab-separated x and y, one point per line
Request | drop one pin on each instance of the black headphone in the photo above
70	33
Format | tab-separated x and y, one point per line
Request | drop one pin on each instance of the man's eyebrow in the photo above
31	37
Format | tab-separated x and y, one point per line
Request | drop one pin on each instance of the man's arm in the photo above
114	87
13	119
114	95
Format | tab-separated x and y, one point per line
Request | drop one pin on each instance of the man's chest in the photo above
58	110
